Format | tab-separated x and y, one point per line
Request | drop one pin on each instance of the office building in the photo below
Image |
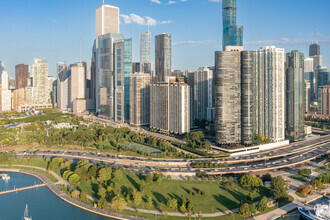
169	107
40	81
136	67
105	75
145	47
190	77
163	57
21	76
122	72
78	82
269	93
107	21
63	86
18	99
203	95
324	100
323	76
5	98
295	96
140	99
232	33
233	107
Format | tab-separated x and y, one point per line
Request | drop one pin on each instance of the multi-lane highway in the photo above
283	157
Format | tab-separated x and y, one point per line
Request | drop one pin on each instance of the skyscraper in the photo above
307	95
40	81
122	72
163	57
295	96
5	97
78	82
324	100
203	95
107	21
232	34
140	99
269	93
21	76
323	76
233	110
145	47
169	107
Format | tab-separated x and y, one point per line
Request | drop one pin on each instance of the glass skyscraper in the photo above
295	96
232	33
145	47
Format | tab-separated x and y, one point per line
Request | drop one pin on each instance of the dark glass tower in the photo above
314	50
232	34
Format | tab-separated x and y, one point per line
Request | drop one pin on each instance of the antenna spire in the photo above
316	38
312	38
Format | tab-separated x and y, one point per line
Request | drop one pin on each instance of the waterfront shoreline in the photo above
55	190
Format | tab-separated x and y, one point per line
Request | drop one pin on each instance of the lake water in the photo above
42	203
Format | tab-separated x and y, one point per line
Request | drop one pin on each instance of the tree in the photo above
244	210
102	203
304	190
251	181
158	178
118	203
142	185
118	175
102	192
149	178
183	208
149	199
281	195
83	196
137	198
190	206
253	207
172	203
104	174
74	179
75	194
266	177
278	183
304	172
262	206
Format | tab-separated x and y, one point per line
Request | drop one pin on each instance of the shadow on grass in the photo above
134	183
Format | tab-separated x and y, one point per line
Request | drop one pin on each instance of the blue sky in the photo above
52	29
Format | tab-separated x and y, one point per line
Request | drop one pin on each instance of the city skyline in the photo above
193	47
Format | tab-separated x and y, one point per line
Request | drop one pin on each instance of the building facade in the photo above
21	76
308	95
40	81
269	93
169	107
295	96
18	99
140	99
78	82
163	57
145	47
233	105
107	21
232	33
203	95
324	100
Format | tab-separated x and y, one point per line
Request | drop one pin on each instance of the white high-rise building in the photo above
78	81
107	21
145	47
5	96
269	93
203	94
40	80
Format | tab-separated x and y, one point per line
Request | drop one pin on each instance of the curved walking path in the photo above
69	199
72	201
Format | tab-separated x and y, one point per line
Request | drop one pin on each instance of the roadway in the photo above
279	158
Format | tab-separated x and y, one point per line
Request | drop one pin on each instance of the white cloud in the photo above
137	19
214	0
156	1
193	43
171	2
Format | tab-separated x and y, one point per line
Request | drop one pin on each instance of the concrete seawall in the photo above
71	200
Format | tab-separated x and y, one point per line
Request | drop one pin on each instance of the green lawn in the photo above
46	174
141	147
299	177
216	198
321	168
